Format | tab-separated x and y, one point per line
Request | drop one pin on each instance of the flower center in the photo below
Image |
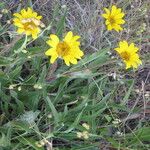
62	49
112	20
125	56
30	23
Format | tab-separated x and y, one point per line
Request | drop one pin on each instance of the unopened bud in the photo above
86	126
4	11
24	51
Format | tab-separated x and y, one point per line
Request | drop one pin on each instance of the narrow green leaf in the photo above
53	109
127	95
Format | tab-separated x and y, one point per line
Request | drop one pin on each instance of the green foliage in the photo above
39	100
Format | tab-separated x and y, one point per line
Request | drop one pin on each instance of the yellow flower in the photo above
114	18
129	54
67	49
28	22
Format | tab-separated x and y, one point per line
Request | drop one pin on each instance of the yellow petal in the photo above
120	21
107	11
79	54
67	61
53	58
140	62
34	35
34	14
51	43
18	15
39	17
50	52
120	15
16	20
18	24
109	27
133	48
117	49
123	44
75	38
29	10
107	22
105	16
54	38
28	32
117	27
128	65
73	61
23	11
20	30
135	65
113	10
68	37
118	11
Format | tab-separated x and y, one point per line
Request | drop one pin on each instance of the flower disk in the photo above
68	49
114	18
129	54
28	22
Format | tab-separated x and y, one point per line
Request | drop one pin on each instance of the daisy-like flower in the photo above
68	49
128	52
28	22
114	18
